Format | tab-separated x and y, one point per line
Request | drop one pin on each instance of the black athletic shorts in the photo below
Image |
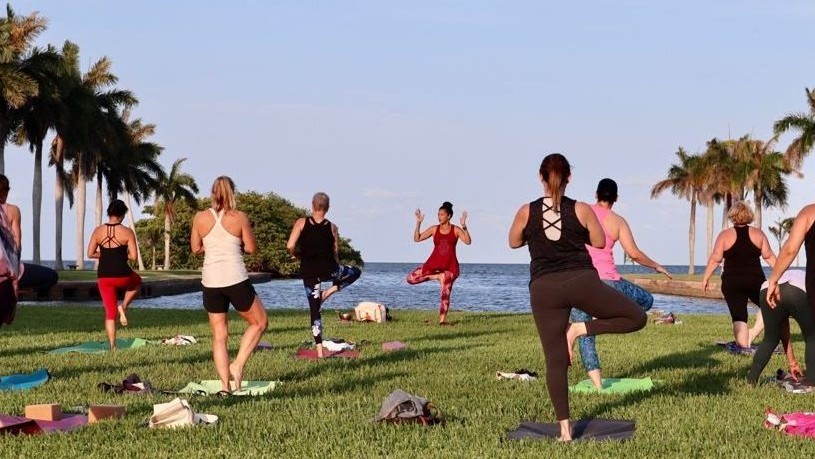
241	295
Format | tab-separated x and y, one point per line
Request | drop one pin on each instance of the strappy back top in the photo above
223	258
556	243
317	249
112	255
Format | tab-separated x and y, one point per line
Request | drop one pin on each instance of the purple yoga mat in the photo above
21	425
311	354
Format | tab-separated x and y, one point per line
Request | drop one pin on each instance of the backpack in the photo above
368	311
400	406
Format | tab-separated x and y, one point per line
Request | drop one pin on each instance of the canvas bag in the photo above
178	413
368	311
401	406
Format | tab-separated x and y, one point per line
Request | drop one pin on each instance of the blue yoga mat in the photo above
24	381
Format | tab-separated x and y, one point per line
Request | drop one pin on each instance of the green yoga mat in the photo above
213	386
97	347
614	385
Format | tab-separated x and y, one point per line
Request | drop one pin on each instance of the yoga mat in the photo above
18	424
393	346
213	386
584	429
97	347
311	354
614	385
24	381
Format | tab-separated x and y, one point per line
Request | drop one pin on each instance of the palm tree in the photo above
17	35
804	125
763	172
38	116
175	186
685	180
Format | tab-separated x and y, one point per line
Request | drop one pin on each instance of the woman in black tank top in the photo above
742	274
557	229
114	244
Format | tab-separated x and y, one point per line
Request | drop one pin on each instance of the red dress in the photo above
443	257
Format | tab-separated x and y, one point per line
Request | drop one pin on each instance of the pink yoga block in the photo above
44	412
99	412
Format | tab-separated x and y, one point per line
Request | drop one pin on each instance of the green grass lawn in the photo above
703	408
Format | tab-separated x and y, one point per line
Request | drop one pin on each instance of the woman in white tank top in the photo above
223	234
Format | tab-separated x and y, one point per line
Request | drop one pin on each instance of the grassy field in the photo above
702	408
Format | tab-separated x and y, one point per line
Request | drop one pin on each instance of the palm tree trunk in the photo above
97	211
692	234
709	235
133	227
154	259
167	228
3	135
59	202
81	191
759	193
36	203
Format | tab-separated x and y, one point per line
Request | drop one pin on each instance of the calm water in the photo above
481	287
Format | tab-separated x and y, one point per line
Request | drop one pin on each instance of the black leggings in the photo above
793	304
552	296
737	290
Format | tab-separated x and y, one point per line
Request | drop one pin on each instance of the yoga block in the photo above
99	412
44	412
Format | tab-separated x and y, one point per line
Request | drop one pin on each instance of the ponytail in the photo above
555	171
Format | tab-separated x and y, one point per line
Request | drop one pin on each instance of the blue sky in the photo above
390	106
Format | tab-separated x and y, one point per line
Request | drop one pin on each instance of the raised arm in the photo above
14	217
516	231
714	260
587	218
626	239
296	229
247	234
463	233
419	235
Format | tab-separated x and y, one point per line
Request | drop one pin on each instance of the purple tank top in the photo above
603	259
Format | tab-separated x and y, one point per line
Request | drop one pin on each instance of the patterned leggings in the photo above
343	277
416	277
588	347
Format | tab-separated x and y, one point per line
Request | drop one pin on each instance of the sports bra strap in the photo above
110	238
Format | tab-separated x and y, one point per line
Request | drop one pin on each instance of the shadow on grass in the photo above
460	335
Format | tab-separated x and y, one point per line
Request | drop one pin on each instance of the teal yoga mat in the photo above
213	386
614	385
24	381
96	347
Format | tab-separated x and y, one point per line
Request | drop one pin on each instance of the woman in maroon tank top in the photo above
442	265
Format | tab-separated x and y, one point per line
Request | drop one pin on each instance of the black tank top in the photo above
112	258
809	248
743	258
567	253
317	249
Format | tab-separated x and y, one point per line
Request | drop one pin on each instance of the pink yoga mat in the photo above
19	424
311	354
393	346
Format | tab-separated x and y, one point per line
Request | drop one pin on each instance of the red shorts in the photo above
109	288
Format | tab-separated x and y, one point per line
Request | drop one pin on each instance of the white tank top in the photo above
223	260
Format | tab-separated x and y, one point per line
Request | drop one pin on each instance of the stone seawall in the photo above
151	288
678	287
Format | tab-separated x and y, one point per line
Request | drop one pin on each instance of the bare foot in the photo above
236	374
122	316
571	336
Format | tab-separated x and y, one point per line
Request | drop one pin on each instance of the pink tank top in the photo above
603	259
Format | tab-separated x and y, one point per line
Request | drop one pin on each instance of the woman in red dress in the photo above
442	264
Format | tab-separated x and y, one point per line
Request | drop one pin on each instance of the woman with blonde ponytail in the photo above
557	228
223	234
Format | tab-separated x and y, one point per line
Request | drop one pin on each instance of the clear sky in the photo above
390	106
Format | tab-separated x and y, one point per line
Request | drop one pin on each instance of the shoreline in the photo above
678	287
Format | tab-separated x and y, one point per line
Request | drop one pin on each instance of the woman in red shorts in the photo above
442	265
114	244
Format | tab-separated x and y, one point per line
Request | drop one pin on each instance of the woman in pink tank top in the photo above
616	229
